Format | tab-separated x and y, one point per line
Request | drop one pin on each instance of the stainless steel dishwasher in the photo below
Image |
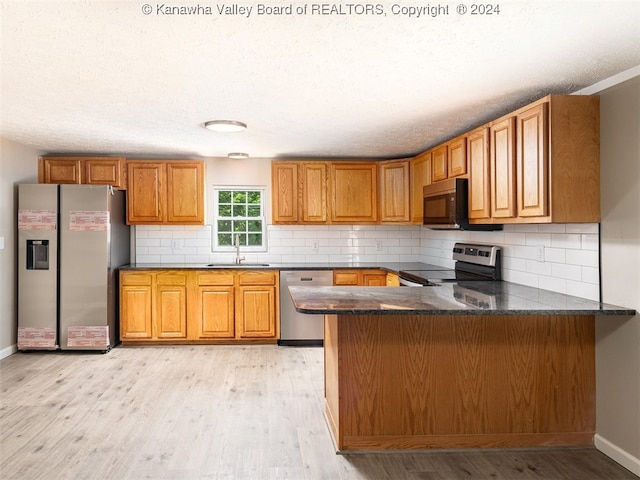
299	328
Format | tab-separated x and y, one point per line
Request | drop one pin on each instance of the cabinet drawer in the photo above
215	278
127	278
346	277
171	279
257	277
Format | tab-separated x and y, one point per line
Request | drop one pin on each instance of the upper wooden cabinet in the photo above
165	192
395	194
439	163
299	192
82	170
420	176
457	157
545	162
285	192
449	160
354	192
502	181
313	192
478	155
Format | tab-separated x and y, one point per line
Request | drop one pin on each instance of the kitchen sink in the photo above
237	265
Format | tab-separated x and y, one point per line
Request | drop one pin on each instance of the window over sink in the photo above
239	212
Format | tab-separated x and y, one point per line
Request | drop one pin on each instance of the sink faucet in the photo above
239	259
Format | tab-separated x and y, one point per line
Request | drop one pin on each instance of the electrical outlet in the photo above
316	245
378	245
540	253
177	244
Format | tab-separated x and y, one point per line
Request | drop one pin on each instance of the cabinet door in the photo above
532	162
420	176
354	192
479	180
215	312
185	193
104	171
171	305
255	308
395	191
135	306
439	163
346	277
146	192
503	178
285	189
374	279
60	170
314	192
457	157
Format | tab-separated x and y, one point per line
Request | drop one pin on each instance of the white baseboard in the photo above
611	450
5	352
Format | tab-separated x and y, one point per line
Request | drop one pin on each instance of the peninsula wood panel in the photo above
460	381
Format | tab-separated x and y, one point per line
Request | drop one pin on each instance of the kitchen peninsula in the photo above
458	365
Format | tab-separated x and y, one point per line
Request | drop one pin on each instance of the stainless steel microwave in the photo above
446	206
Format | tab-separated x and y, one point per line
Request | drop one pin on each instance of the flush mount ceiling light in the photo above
225	126
238	155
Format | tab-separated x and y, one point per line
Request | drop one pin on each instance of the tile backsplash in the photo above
559	257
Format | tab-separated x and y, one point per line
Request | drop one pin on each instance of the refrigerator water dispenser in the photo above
37	254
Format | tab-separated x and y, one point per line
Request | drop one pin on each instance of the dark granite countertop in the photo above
389	266
456	298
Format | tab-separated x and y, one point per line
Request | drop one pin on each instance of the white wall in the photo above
569	262
18	164
618	339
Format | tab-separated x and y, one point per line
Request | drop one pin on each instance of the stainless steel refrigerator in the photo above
71	241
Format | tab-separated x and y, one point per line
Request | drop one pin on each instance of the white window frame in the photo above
215	247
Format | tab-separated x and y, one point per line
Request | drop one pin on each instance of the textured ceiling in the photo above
104	77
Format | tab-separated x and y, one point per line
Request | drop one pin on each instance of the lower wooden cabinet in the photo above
360	277
193	306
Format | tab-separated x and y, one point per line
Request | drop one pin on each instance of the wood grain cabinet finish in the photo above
360	277
354	192
136	306
420	176
545	162
457	157
395	193
502	181
199	307
82	170
532	162
165	192
419	381
479	169
299	192
439	163
153	305
285	192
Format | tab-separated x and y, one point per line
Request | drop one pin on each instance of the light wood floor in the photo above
215	412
